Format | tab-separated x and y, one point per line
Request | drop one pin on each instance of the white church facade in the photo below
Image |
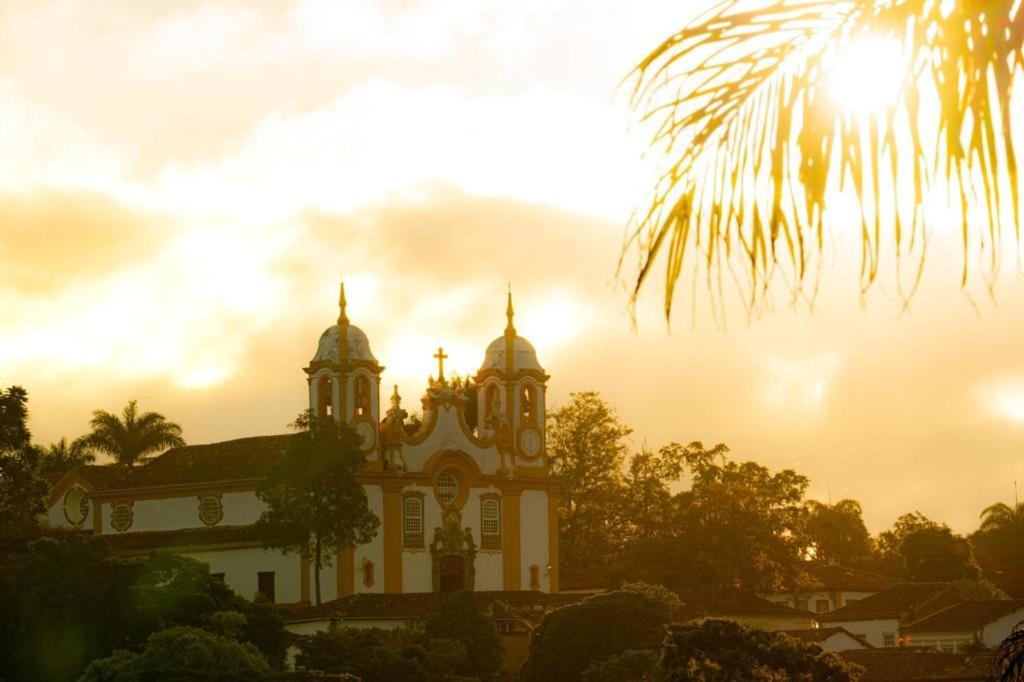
465	498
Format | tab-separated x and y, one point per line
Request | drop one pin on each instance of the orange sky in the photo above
183	184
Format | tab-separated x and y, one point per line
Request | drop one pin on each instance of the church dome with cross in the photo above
358	345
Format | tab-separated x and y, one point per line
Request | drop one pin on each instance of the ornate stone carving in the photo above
452	540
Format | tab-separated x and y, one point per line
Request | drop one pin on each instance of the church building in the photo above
465	497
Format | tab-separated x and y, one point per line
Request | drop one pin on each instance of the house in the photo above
710	602
962	627
877	619
920	665
465	498
823	588
830	639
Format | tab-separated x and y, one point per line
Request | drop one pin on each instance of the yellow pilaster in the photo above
553	542
511	547
392	535
346	572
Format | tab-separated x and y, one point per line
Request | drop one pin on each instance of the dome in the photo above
524	356
358	345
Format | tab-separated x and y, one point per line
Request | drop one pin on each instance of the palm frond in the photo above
755	149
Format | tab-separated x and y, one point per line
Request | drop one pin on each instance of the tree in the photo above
21	488
928	551
315	505
629	666
723	651
459	619
586	449
1011	656
183	653
61	457
570	639
997	546
647	496
836	531
755	146
131	436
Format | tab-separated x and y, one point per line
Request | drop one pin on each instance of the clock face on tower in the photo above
529	443
367	433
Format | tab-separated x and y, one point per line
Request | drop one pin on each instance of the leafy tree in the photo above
629	666
570	639
183	653
647	496
753	78
997	545
315	505
586	449
67	601
459	619
61	457
837	531
659	593
724	651
131	436
21	488
927	551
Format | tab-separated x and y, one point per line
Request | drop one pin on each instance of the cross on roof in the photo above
441	357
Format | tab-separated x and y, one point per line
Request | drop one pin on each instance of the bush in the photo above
629	666
571	639
459	619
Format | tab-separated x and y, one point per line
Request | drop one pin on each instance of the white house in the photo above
962	627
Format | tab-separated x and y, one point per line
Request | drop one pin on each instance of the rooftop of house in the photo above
147	541
827	577
704	601
910	600
818	635
914	665
965	616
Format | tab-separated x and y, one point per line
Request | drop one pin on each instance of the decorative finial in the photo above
396	400
441	357
510	329
342	305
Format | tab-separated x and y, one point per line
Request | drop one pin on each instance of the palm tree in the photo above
1001	516
742	105
61	457
131	436
1011	656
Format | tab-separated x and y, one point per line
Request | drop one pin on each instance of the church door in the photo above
453	573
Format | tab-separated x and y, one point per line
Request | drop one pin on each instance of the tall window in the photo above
412	520
368	578
492	401
490	523
821	605
362	391
265	585
535	577
528	403
324	397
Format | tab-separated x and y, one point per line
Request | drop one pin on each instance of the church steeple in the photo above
343	324
510	335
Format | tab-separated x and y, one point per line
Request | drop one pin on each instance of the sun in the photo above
867	75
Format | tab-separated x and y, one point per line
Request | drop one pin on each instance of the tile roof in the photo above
419	605
722	600
965	616
896	601
914	665
146	541
818	635
232	460
843	579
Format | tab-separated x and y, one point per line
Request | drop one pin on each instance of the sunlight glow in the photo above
1008	402
867	75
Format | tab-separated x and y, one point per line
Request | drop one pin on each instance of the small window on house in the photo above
211	510
265	585
324	397
889	639
219	577
821	606
412	520
362	393
121	516
490	523
802	605
76	506
948	648
535	577
368	578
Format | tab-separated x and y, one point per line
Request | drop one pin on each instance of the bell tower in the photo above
344	379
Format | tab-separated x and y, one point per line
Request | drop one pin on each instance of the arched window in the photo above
490	523
412	520
528	403
324	397
362	393
446	487
492	401
367	573
534	577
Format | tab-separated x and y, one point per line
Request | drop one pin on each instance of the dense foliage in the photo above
571	639
66	602
724	651
315	505
460	620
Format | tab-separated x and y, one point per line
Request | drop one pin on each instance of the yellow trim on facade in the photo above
511	551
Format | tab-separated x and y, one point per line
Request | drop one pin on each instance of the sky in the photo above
183	184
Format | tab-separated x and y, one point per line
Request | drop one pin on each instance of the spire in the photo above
396	400
510	329
510	335
342	325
